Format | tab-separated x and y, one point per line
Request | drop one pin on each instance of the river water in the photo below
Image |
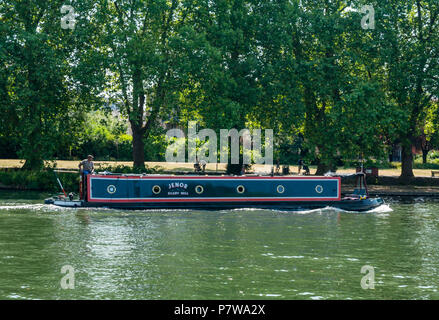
235	254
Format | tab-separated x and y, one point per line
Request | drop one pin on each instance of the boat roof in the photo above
106	173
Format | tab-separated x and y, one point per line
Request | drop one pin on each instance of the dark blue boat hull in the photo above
217	193
347	205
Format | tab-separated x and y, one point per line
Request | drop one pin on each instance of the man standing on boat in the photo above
87	168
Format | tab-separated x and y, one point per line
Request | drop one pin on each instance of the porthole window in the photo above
111	189
156	189
240	189
319	189
280	189
199	189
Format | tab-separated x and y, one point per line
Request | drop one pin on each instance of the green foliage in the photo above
432	161
44	85
433	155
371	163
38	180
330	90
428	166
126	169
406	42
104	135
45	180
155	145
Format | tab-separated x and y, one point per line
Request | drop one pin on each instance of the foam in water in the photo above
14	206
384	208
33	207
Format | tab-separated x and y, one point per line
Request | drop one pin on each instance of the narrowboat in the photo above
145	191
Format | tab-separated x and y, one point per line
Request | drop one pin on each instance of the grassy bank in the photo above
393	171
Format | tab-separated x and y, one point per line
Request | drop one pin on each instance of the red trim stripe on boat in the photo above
229	199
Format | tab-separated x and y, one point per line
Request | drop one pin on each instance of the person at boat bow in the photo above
87	168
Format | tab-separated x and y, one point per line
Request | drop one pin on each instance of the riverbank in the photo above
409	191
173	167
387	184
400	191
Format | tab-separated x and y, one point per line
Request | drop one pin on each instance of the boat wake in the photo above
384	208
31	207
11	206
14	207
49	208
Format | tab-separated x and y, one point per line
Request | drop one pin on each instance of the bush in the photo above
235	169
45	180
427	166
433	155
127	169
380	164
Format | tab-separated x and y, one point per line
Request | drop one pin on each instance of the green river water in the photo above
236	254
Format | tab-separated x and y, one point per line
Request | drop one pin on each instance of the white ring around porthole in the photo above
156	189
280	189
319	189
199	189
111	189
240	189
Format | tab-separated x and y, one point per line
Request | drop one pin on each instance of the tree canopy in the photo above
330	86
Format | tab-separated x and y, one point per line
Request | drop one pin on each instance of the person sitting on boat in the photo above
277	166
87	168
197	166
305	169
203	164
300	164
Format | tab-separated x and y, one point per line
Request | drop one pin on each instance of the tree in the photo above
319	78
407	36
429	140
146	70
45	84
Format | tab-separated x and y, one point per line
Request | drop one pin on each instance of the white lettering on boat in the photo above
177	188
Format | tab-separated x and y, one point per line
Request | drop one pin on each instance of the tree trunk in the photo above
424	155
323	168
32	149
33	163
407	162
33	130
138	148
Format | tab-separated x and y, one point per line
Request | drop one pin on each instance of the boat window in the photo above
199	189
240	189
319	189
111	189
280	189
156	189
